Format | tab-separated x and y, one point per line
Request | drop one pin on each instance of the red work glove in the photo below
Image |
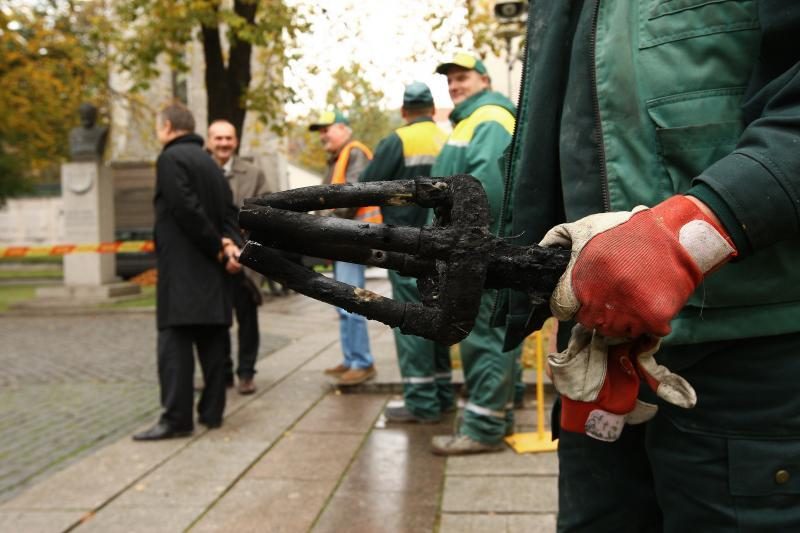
631	272
599	379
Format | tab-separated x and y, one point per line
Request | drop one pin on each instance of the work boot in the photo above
399	414
356	376
337	370
246	386
460	444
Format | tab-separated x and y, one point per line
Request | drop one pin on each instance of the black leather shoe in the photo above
161	431
211	425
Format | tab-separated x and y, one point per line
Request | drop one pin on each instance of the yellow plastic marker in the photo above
541	441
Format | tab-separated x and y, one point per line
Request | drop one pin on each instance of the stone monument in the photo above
87	191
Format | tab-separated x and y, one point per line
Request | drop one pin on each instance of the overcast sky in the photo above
383	36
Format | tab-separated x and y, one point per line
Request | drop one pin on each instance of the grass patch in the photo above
44	273
11	294
147	298
37	260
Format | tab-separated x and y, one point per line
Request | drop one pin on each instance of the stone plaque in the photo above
81	209
88	198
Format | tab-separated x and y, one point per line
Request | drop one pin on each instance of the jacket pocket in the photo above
663	21
694	130
765	483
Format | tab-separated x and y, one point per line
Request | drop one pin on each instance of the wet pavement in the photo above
299	455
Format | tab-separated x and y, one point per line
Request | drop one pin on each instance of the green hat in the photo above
417	94
463	60
326	118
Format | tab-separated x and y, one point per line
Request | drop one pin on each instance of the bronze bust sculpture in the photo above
87	142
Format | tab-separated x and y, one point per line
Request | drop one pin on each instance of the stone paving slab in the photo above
166	519
499	494
308	457
294	480
508	463
110	471
269	505
469	523
393	485
398	459
339	413
370	512
38	521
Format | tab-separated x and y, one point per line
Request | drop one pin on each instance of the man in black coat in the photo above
196	237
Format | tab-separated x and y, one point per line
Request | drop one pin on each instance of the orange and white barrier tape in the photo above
8	252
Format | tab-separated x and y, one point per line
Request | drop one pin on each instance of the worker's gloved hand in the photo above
631	272
599	378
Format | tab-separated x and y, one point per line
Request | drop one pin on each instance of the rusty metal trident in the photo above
454	260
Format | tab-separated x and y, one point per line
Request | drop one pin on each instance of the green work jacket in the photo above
679	96
408	153
482	128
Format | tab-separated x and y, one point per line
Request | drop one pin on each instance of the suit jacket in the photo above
193	210
246	180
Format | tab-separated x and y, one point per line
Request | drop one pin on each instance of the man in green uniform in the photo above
483	121
693	109
409	152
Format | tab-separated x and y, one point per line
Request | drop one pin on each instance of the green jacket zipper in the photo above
601	151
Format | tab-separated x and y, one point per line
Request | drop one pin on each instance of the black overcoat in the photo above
193	211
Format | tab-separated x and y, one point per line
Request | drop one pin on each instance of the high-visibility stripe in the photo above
484	411
419	160
413	380
464	130
443	375
64	249
457	143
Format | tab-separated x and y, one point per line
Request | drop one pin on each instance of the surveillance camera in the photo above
509	10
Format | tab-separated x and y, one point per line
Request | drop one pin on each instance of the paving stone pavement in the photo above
299	455
71	384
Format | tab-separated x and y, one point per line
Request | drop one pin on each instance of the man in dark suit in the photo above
196	237
246	181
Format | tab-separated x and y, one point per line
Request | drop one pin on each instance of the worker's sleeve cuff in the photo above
714	201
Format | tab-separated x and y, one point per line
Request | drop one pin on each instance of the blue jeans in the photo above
352	327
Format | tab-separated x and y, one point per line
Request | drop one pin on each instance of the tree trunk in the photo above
226	86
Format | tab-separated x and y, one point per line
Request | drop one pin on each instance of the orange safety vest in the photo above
370	213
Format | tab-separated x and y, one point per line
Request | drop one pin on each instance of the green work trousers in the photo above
730	464
424	364
519	383
489	377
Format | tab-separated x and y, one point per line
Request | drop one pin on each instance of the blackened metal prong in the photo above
405	264
328	231
425	192
305	281
412	319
